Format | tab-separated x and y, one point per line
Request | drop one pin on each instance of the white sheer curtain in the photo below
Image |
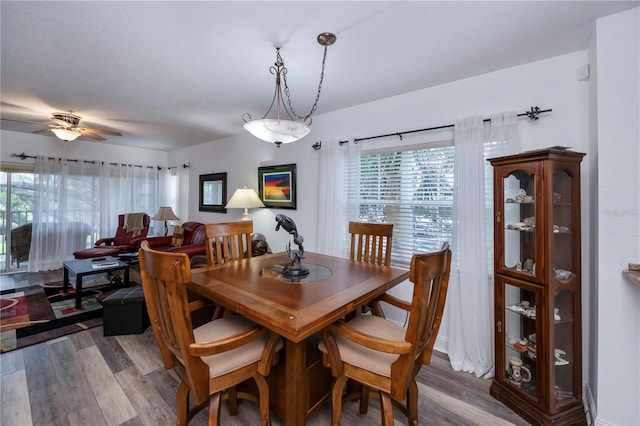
335	209
470	299
77	202
182	192
65	211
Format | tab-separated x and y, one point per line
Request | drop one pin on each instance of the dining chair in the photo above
211	359
371	242
228	242
383	356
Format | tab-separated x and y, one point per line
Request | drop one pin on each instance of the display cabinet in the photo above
537	285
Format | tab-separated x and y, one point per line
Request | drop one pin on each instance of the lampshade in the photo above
244	198
165	213
66	135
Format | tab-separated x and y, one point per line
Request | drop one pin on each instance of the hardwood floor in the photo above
89	379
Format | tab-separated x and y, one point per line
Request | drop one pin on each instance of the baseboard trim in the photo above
589	405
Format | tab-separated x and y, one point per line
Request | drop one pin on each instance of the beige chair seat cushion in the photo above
232	360
369	359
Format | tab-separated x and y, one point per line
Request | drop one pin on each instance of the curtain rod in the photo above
184	166
532	114
24	156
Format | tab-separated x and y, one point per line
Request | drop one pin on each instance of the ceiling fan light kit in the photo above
66	135
279	130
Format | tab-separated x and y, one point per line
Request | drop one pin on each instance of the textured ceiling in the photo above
173	74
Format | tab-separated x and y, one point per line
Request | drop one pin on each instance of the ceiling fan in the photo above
66	127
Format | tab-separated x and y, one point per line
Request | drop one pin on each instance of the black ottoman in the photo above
125	312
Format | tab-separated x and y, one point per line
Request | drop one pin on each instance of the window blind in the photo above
413	190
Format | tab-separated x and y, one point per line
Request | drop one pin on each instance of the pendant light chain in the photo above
306	118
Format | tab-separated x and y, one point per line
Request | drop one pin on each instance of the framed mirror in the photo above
213	192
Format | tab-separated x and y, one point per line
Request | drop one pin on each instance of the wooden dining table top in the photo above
295	310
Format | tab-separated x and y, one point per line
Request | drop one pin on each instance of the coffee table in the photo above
84	267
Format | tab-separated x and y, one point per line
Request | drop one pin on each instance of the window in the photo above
413	190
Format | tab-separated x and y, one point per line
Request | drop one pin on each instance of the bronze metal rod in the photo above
532	114
24	156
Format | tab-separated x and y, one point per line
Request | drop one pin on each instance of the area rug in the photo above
35	314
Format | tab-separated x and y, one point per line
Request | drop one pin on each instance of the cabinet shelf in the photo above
538	315
528	230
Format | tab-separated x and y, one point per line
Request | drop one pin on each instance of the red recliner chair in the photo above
123	242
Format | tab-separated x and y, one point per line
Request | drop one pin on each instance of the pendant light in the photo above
280	130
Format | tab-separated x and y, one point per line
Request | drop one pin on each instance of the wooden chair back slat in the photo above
228	242
371	242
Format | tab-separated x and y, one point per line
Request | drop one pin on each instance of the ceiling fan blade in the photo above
103	131
87	134
42	131
27	122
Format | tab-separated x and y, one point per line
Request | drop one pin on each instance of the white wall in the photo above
617	390
31	144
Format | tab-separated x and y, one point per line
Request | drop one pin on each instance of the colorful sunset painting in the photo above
277	186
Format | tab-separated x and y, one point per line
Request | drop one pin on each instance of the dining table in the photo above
297	308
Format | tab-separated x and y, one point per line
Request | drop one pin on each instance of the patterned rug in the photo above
35	314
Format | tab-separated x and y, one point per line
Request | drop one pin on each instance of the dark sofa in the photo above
192	245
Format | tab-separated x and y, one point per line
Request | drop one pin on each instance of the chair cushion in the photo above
96	252
232	360
369	359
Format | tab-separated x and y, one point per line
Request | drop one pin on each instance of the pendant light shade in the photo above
277	131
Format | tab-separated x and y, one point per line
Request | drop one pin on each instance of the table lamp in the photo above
244	198
165	213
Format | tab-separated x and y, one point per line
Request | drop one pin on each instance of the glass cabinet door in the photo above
563	350
564	285
562	234
520	335
517	214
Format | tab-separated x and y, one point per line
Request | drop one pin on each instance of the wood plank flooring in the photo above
89	379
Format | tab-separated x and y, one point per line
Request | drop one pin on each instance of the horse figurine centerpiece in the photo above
295	269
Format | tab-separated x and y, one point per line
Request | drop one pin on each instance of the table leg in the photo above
65	280
296	391
126	276
78	291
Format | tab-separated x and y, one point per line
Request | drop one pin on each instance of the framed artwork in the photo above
213	192
277	186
